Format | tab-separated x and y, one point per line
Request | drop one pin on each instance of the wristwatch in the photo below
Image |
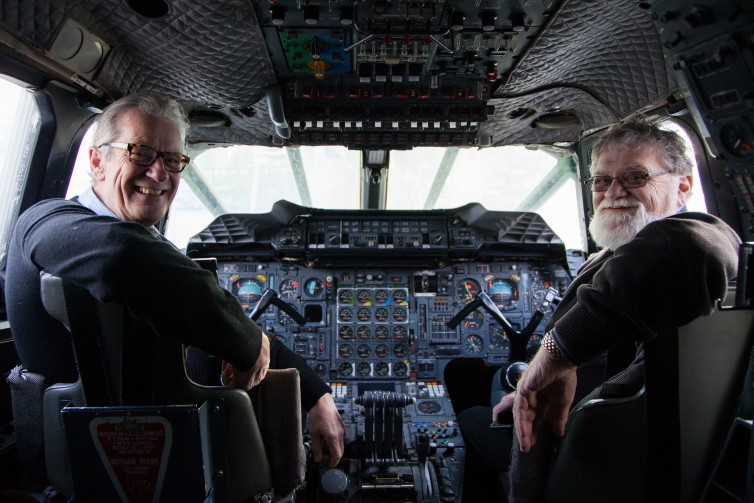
551	346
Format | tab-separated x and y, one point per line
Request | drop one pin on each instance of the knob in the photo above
278	15
334	484
346	16
450	449
488	20
456	21
311	14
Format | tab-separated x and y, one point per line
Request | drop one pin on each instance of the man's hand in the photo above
500	410
327	431
548	385
247	379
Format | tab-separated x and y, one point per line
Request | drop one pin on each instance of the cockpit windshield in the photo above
246	179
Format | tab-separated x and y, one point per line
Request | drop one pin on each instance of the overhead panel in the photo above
381	74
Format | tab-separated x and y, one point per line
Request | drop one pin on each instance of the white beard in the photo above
611	230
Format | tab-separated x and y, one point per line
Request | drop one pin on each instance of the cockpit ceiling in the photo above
567	66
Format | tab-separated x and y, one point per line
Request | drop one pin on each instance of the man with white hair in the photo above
653	249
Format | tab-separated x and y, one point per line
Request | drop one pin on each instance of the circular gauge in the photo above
400	331
502	291
284	318
399	296
364	332
248	290
363	369
313	287
345	296
345	369
473	321
400	369
364	297
345	332
345	314
381	369
381	314
539	288
363	350
498	339
428	407
467	289
381	350
400	314
288	288
321	370
381	332
381	296
363	314
281	339
473	344
400	350
345	350
738	138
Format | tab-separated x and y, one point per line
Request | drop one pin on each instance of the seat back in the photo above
224	418
694	375
656	444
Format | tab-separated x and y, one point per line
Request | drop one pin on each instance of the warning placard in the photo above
135	452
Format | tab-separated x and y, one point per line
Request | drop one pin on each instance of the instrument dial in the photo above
498	339
400	332
248	291
400	314
381	296
400	350
467	289
399	296
345	296
345	369
400	369
363	314
363	350
345	332
364	332
321	370
284	318
363	369
381	350
381	314
539	288
288	288
381	332
345	350
381	369
364	297
314	287
473	321
503	292
473	344
345	314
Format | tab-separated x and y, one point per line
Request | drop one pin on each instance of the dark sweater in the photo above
117	261
671	273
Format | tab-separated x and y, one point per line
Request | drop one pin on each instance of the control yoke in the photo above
518	339
270	297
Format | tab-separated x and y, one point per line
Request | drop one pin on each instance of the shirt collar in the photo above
90	199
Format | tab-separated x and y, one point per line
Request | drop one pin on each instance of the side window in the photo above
19	127
696	201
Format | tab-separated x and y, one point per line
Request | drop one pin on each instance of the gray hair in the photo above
639	131
106	126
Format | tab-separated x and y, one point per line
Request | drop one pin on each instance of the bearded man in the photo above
660	266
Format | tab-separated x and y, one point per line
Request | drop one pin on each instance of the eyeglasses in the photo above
142	155
629	180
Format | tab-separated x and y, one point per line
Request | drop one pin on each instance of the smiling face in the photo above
620	213
136	193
